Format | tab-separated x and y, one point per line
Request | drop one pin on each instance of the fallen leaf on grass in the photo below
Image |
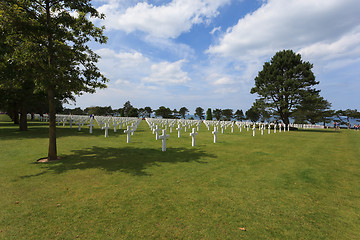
242	229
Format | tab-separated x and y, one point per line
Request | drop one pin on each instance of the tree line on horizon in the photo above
253	114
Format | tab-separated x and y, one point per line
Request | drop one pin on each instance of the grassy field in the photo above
293	185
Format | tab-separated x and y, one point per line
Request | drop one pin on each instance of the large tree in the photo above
163	112
65	64
217	113
348	113
199	111
148	111
16	66
209	114
284	82
227	114
183	111
239	115
313	109
253	114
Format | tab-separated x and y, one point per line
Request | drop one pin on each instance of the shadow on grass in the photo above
129	160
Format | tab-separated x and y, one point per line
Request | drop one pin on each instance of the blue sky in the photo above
206	53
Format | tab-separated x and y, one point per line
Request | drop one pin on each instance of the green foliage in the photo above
148	111
99	111
227	114
176	114
199	111
239	115
253	114
163	112
183	111
313	109
209	114
348	113
74	111
54	48
129	111
217	113
284	82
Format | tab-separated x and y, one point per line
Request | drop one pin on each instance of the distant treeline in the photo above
252	114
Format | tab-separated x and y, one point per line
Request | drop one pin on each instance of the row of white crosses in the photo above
105	123
261	126
181	124
80	120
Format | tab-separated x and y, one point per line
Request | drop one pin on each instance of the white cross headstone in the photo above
269	129
79	123
179	130
193	134
279	127
215	134
171	127
163	137
133	128
91	124
254	130
156	131
106	127
274	128
262	129
128	134
115	124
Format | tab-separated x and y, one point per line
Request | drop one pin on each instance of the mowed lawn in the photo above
292	185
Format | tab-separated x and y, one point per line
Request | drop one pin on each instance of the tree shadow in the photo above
128	160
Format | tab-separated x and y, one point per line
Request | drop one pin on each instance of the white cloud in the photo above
167	73
164	21
126	63
347	46
215	29
283	24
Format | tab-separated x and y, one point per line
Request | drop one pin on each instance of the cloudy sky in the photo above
207	52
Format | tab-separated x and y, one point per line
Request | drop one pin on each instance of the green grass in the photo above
293	185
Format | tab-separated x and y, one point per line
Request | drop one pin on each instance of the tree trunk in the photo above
52	153
23	116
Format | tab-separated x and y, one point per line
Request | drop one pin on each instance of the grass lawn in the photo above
293	185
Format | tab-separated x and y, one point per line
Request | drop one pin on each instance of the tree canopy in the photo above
209	114
163	112
56	47
183	111
284	83
199	111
